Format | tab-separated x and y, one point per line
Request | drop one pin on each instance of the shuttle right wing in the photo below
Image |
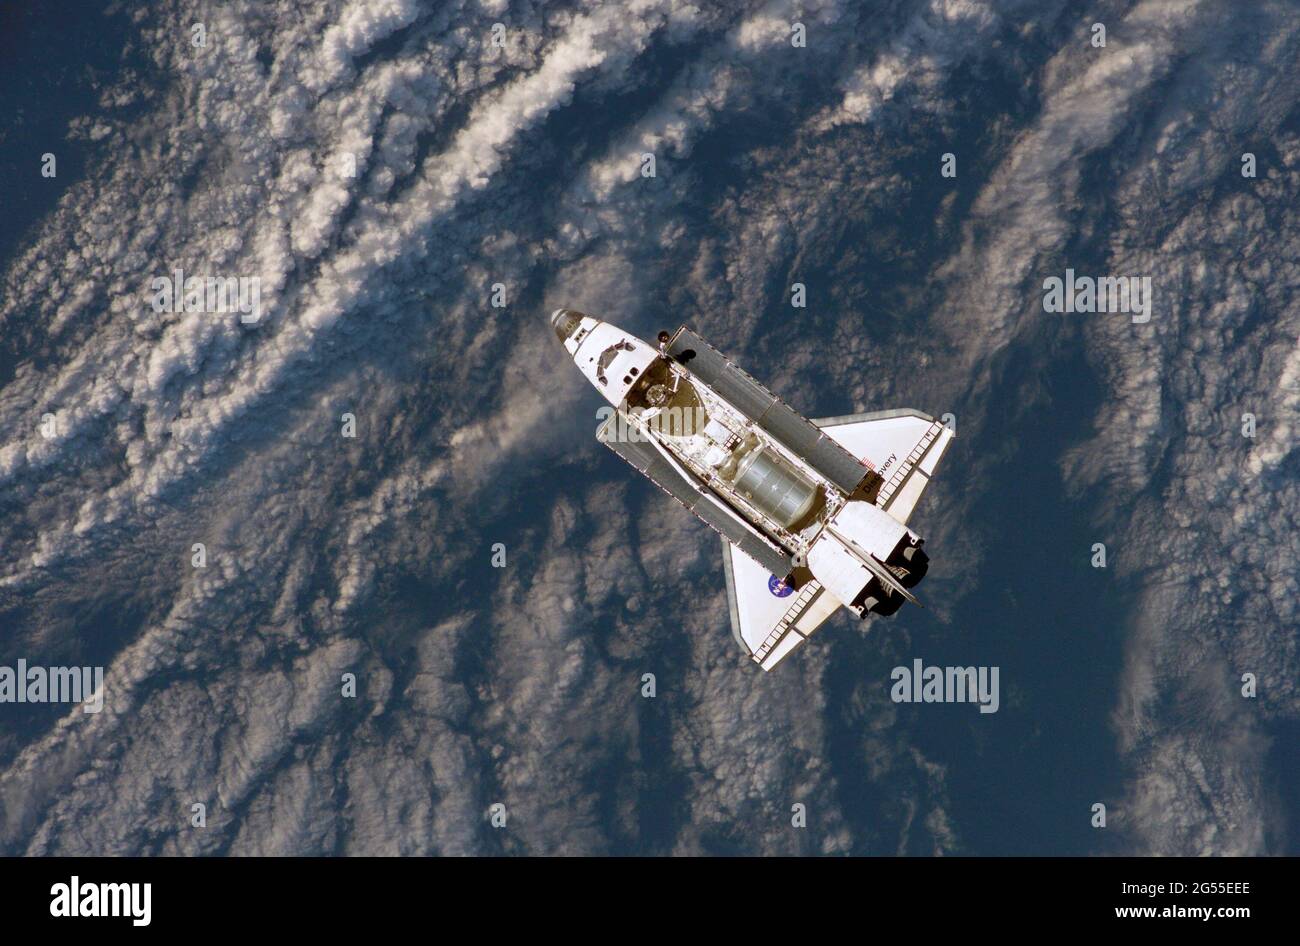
904	447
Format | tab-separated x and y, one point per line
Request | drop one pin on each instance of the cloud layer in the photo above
380	166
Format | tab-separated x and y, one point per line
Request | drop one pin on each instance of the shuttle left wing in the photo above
769	618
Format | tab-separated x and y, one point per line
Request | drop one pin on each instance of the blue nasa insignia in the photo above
778	587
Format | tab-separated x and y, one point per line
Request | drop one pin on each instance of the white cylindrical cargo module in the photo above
776	488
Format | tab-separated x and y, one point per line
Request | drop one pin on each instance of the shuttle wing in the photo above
769	619
903	446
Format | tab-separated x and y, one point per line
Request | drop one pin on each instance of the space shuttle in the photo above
813	514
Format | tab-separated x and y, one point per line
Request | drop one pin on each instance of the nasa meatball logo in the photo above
778	587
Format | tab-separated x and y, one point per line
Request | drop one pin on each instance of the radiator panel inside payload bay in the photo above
644	457
767	411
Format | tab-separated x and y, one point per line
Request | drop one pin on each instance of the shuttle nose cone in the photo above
564	322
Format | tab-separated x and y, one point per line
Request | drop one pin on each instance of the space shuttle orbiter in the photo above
813	515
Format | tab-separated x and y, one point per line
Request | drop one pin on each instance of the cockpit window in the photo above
607	358
565	322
